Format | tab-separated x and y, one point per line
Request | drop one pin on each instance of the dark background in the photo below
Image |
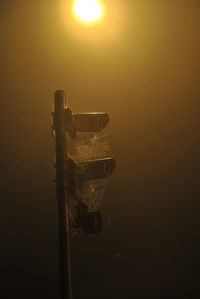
142	66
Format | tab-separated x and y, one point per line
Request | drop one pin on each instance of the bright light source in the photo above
88	10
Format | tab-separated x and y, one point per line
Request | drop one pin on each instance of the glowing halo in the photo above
88	11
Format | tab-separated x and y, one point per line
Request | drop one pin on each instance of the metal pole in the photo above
63	207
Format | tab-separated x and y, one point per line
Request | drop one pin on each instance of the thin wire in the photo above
29	143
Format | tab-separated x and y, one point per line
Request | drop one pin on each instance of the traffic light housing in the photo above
90	122
93	170
84	122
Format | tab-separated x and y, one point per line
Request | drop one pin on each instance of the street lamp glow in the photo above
88	10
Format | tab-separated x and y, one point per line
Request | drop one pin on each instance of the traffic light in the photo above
89	166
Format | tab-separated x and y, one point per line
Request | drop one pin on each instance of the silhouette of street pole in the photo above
62	196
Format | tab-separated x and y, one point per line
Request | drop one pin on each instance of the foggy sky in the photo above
141	66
